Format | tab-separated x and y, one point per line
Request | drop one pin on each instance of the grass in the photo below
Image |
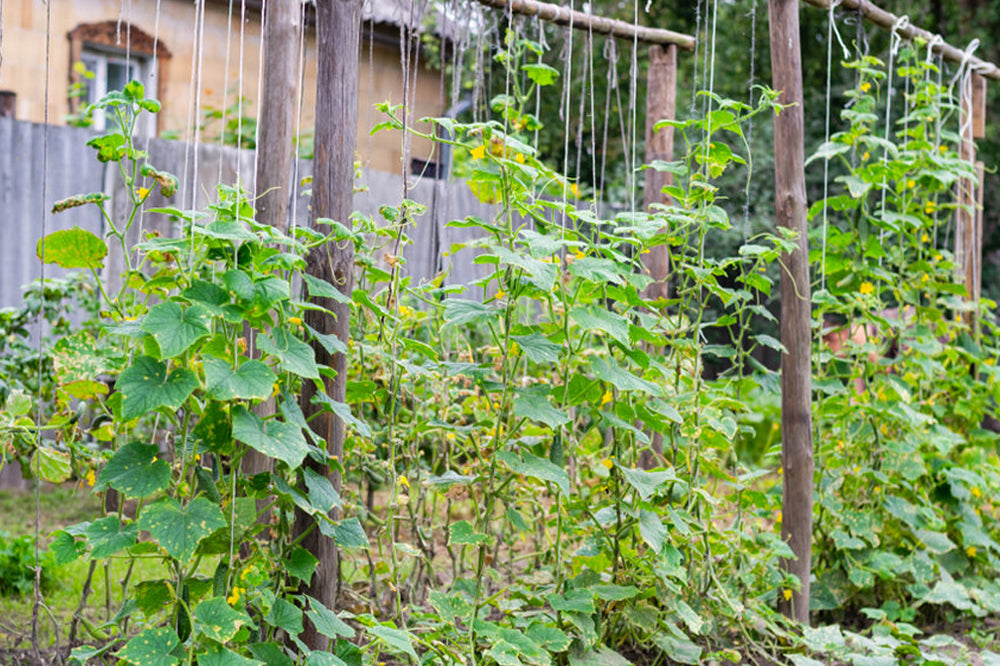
61	506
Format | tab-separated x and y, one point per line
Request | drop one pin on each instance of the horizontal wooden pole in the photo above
887	20
606	26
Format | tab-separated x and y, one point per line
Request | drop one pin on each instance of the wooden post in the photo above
968	217
796	378
274	148
661	104
338	26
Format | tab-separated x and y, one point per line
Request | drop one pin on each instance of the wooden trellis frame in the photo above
790	202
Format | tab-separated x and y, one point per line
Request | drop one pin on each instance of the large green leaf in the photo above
287	616
296	356
396	639
538	348
535	467
538	408
73	248
274	438
220	656
179	529
50	464
595	318
218	620
251	380
326	621
175	328
647	483
152	647
134	471
652	531
145	387
106	536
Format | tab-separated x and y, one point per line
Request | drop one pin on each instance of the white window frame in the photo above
102	56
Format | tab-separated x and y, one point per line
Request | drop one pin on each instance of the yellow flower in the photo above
925	238
478	153
937	257
971	551
910	183
866	156
867	288
295	320
519	158
500	294
575	189
865	87
403	481
606	398
788	593
579	255
929	207
496	405
91	478
607	463
234	596
943	148
450	437
646	251
141	192
777	519
976	492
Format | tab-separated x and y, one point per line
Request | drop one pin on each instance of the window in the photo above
112	71
101	49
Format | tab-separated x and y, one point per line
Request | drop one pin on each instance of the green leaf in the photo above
152	647
647	483
152	595
343	410
175	328
349	534
462	532
538	348
399	640
106	536
322	289
286	615
828	150
322	494
540	73
218	620
535	467
324	659
652	530
51	464
301	564
615	592
595	318
538	408
179	529
134	471
65	548
252	380
573	601
220	656
326	621
461	312
597	656
296	356
274	438
146	387
73	248
936	542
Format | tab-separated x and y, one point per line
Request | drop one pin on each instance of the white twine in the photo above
894	44
831	31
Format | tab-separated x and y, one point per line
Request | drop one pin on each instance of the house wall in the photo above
23	68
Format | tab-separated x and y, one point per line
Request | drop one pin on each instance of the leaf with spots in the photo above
220	656
135	471
218	620
146	387
175	328
106	536
73	248
152	647
179	529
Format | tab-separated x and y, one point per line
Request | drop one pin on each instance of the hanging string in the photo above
611	56
154	78
750	85
593	117
697	48
633	107
830	32
581	119
300	94
936	40
895	41
564	111
260	96
225	89
37	602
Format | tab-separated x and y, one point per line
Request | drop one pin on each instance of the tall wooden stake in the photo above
338	25
968	217
274	145
796	378
661	104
